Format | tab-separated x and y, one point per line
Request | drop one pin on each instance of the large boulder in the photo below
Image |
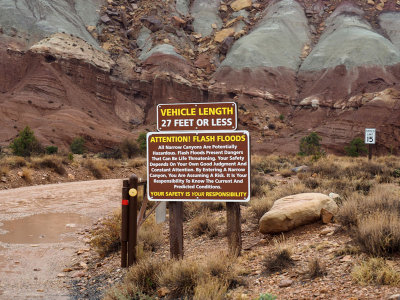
292	211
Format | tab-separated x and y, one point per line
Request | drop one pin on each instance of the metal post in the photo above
132	224
369	151
124	223
234	232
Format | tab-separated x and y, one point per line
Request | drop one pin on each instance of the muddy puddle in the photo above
42	228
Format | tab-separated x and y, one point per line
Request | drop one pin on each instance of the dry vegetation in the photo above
375	271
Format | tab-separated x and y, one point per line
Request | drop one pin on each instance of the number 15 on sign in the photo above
370	135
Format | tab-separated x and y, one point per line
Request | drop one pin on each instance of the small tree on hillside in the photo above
26	143
356	148
78	145
142	143
310	145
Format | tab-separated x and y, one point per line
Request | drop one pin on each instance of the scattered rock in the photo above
326	216
221	35
20	174
346	258
302	168
177	21
226	45
240	4
394	297
162	292
68	270
152	22
72	225
292	211
59	275
327	231
78	274
71	177
105	19
3	179
285	283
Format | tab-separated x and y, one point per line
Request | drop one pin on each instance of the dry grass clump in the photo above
210	288
375	271
4	170
150	235
379	232
374	219
316	268
141	279
137	162
181	279
280	259
204	223
27	175
191	210
287	173
49	161
97	167
13	161
106	238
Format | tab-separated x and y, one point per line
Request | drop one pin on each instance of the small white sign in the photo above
370	135
161	212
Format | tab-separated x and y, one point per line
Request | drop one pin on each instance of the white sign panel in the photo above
370	134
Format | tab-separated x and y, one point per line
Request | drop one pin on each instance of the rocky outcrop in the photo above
266	60
32	20
390	23
350	58
292	211
205	13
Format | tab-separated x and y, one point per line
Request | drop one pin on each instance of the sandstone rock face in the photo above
292	211
269	56
33	20
65	46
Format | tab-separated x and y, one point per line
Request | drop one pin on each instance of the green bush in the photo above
51	149
78	145
26	143
310	145
142	141
356	148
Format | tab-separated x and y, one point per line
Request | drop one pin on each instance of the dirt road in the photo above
39	233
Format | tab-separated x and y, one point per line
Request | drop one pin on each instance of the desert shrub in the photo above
129	148
27	175
106	238
70	156
51	149
210	288
223	267
78	145
287	173
96	167
310	145
150	235
266	296
114	153
145	274
26	143
191	210
259	184
375	271
316	268
142	141
396	173
356	148
204	223
50	162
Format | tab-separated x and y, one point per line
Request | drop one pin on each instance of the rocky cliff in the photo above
98	68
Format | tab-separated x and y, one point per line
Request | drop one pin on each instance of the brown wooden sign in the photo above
198	166
197	116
